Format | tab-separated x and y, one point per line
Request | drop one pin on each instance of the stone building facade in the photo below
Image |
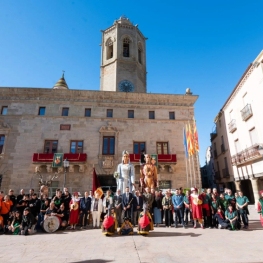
91	129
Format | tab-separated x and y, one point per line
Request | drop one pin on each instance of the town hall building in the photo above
92	128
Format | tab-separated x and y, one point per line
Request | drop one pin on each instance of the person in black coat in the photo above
85	204
127	203
28	223
137	207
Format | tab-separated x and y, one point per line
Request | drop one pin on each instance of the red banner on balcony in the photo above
162	158
48	157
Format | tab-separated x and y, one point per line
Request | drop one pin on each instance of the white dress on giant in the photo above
126	177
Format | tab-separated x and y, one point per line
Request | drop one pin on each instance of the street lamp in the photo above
66	165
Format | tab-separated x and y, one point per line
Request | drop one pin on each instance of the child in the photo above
126	227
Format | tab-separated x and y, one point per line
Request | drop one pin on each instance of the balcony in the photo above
251	153
225	173
246	112
232	126
48	157
162	158
213	134
217	175
223	148
215	154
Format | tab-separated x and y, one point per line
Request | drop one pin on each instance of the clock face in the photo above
126	86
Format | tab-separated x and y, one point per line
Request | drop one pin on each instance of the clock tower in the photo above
123	58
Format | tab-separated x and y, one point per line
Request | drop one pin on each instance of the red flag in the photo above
95	182
196	143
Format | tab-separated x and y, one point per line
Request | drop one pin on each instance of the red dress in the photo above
196	204
74	211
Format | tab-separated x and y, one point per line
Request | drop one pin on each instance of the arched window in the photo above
126	47
140	53
109	49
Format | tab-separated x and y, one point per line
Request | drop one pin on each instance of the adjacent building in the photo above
239	137
92	128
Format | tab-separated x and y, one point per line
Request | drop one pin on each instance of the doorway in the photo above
247	190
107	182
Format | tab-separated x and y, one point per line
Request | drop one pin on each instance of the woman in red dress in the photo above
74	211
196	207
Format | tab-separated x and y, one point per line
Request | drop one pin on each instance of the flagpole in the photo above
194	170
186	157
191	175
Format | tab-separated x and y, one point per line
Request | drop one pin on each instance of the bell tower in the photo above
123	58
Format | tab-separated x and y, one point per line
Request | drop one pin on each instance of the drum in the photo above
51	224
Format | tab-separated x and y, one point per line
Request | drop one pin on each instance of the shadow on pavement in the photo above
172	234
93	261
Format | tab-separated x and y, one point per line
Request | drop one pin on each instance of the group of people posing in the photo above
121	212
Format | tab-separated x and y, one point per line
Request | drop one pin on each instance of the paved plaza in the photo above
163	245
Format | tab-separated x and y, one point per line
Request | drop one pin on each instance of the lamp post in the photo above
66	165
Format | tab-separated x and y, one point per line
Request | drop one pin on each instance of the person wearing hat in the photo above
126	174
126	227
145	222
231	218
28	223
196	206
109	223
74	210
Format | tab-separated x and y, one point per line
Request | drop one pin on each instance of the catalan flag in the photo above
189	138
196	143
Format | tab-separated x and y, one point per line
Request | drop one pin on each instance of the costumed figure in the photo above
149	173
260	207
74	210
109	223
125	175
145	222
126	227
196	202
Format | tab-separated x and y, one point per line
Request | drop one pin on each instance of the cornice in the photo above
239	85
39	94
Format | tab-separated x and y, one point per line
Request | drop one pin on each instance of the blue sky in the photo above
204	45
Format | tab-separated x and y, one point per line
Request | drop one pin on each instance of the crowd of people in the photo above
26	214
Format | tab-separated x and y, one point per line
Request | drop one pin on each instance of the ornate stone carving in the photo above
81	168
37	169
108	162
4	125
49	168
161	167
71	168
172	168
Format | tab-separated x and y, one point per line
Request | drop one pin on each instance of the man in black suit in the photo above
127	203
85	204
117	202
137	207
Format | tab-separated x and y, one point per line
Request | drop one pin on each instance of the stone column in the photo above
254	182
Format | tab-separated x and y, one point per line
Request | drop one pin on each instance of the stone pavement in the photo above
163	245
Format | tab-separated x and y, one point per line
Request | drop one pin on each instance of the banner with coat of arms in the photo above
57	160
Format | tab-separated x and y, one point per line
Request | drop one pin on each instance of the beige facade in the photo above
26	132
243	128
35	123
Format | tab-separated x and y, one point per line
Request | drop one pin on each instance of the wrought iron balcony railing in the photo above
232	126
246	112
251	153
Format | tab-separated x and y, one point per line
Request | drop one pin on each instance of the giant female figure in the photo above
126	175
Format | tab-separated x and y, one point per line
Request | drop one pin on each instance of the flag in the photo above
95	182
57	160
189	140
196	143
185	144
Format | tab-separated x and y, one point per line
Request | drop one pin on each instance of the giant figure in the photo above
126	175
